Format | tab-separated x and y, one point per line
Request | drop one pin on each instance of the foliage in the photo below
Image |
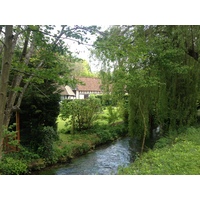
110	114
23	154
113	115
81	112
158	67
108	133
45	147
38	116
9	135
81	69
177	155
11	166
64	149
34	54
79	143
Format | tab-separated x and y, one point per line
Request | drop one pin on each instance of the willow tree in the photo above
175	57
158	67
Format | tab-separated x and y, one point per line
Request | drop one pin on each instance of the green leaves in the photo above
11	166
156	66
81	112
177	156
34	27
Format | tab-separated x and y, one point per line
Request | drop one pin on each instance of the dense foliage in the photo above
81	112
38	116
11	166
32	54
158	68
81	69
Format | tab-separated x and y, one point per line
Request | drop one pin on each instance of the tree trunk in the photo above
4	77
16	83
145	128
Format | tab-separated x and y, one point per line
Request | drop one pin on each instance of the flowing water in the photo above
105	160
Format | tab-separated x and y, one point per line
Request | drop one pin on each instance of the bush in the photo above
11	166
38	111
113	114
81	112
163	142
45	147
24	154
109	133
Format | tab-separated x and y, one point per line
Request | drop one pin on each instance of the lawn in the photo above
61	123
106	116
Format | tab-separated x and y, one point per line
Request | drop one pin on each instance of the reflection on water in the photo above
103	161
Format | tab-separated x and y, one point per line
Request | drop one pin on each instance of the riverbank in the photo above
72	146
66	148
172	155
103	160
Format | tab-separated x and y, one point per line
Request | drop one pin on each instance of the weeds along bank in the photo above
79	131
67	147
172	155
178	153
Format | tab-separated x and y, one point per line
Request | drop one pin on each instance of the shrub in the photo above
24	154
38	111
11	166
162	142
112	114
109	133
81	112
45	147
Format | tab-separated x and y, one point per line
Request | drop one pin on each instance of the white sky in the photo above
84	50
87	12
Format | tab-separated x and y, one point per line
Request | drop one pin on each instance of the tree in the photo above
39	111
80	112
81	68
27	51
5	72
158	67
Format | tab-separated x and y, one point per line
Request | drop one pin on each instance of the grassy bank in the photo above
67	147
106	128
177	154
70	146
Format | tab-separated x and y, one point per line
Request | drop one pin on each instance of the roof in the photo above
69	91
66	90
89	84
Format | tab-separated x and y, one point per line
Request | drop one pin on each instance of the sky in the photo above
84	50
87	12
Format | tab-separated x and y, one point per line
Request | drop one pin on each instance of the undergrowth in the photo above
173	155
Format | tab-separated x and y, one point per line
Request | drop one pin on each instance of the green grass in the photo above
73	145
180	156
103	119
61	123
68	146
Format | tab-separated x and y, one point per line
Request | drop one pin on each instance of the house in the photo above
87	87
66	92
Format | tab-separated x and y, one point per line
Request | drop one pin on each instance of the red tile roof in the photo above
89	84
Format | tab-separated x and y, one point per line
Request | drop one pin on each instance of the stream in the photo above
104	160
